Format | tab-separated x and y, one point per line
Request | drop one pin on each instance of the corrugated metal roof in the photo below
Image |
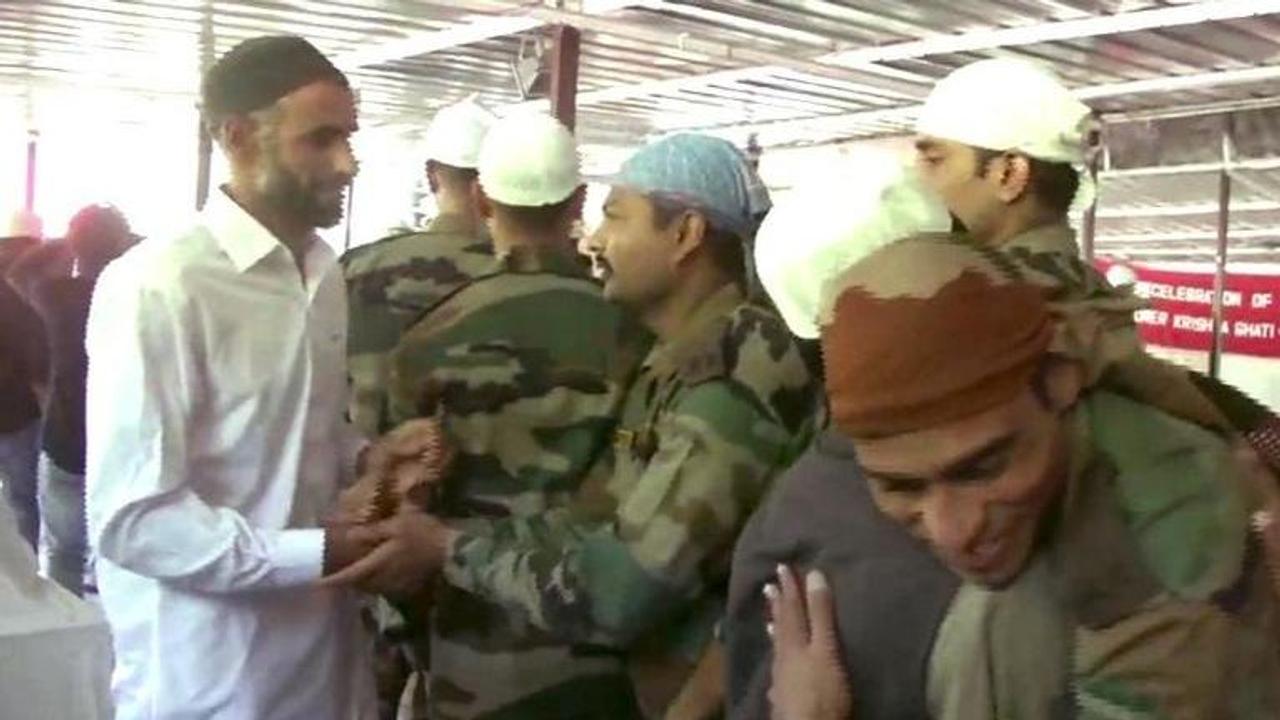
799	69
791	72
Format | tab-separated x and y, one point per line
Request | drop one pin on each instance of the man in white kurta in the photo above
216	444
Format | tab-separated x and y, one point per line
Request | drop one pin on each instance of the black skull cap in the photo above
259	71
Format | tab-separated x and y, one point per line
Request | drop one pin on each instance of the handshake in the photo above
381	539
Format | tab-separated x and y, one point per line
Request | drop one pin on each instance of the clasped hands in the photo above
381	539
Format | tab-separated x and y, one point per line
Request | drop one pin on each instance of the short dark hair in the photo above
727	250
540	218
1053	184
95	225
256	73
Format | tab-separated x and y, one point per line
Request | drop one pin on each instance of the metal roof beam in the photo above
834	124
976	41
868	59
479	30
1142	238
1127	252
1128	212
1194	168
878	80
415	45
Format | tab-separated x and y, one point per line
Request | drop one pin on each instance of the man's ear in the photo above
577	201
1064	383
483	206
1014	172
691	231
239	137
433	179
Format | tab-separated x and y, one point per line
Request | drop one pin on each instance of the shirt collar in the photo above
693	335
1058	238
245	240
541	259
449	224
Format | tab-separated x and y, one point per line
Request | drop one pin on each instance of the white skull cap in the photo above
1004	105
528	160
457	132
821	228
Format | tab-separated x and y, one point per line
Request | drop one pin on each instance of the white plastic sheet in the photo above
55	649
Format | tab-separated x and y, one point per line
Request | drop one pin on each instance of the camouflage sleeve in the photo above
609	582
1207	646
1177	661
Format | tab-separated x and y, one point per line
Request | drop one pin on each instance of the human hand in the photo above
411	547
345	543
809	681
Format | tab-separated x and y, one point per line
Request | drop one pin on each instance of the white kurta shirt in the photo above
216	444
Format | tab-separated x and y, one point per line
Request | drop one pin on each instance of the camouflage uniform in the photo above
640	561
528	366
1098	328
1149	599
390	283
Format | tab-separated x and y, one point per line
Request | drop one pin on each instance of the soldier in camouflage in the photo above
1011	183
391	282
526	365
1114	536
722	403
1002	143
636	565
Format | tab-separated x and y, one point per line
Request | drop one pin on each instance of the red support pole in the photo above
564	74
33	141
1224	235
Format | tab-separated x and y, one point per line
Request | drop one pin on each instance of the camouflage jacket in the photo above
1099	329
390	284
528	366
1148	599
640	561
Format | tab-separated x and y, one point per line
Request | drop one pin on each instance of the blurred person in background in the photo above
55	650
23	376
57	280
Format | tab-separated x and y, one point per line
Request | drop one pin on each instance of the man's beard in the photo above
291	196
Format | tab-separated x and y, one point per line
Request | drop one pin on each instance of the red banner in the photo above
1181	310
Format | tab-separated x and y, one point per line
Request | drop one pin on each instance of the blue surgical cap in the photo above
706	173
